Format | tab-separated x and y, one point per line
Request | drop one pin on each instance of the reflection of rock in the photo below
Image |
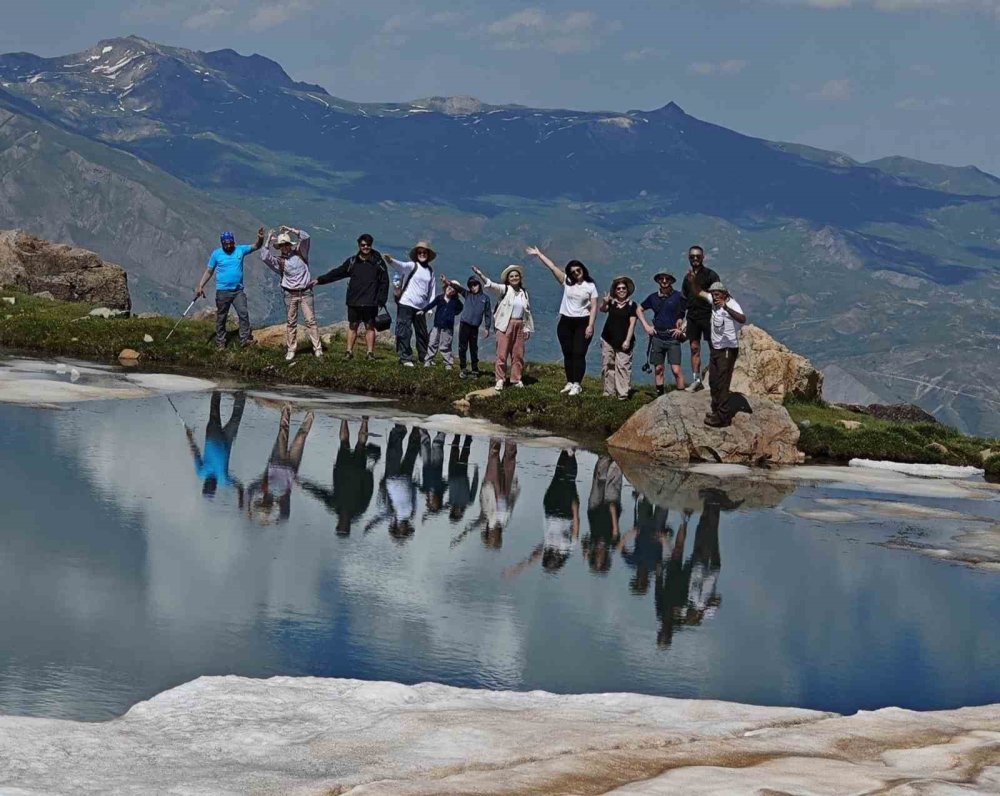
66	272
767	369
683	489
672	429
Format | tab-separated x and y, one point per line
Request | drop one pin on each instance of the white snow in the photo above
229	735
36	78
920	470
107	49
169	382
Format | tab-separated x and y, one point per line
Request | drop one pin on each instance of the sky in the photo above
870	78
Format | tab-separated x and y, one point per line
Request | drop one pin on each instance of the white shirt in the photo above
422	287
518	304
576	299
400	491
725	328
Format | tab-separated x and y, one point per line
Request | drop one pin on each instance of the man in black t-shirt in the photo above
367	290
699	311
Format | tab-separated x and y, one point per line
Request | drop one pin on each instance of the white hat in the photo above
509	269
718	287
284	238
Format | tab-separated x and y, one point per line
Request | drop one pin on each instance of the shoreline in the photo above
44	327
310	735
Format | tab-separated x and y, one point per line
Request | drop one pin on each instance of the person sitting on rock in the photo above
666	331
367	290
292	265
727	319
226	263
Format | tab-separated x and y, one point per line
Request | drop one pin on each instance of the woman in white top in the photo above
512	321
577	313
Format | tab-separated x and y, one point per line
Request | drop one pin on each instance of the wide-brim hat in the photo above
629	284
509	270
422	244
657	276
284	238
718	287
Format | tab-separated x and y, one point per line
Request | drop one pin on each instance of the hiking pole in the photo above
180	319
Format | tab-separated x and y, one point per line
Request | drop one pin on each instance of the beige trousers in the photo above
616	368
304	299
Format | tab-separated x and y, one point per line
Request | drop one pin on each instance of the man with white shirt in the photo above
416	291
727	320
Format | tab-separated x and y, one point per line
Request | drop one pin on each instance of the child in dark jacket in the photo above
447	307
478	311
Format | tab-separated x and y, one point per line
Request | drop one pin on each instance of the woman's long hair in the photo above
584	278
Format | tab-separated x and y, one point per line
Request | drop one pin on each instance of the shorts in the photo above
661	349
699	328
364	315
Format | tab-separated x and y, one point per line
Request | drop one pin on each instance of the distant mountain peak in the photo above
452	106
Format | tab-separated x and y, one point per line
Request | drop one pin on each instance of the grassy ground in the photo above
61	328
824	436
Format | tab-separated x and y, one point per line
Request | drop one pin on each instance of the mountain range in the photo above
886	269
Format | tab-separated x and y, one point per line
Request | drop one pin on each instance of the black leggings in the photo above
572	334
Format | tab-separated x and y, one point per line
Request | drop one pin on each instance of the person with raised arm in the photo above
292	265
447	306
577	314
727	320
478	311
618	338
226	263
512	321
416	290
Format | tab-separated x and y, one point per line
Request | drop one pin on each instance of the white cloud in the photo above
918	104
990	7
271	14
712	68
839	90
642	54
572	32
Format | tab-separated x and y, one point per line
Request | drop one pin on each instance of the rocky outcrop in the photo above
768	369
66	272
672	429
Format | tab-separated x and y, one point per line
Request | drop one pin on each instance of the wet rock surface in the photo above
65	272
671	429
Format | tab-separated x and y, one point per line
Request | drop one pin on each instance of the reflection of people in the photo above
213	467
497	495
650	538
273	491
353	481
671	589
397	490
562	519
432	482
604	508
460	492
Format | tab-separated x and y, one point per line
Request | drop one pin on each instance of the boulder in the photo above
129	356
767	369
672	429
67	272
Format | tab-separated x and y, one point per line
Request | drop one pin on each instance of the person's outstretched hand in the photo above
478	272
533	251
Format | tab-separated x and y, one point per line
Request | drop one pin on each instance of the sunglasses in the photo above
696	256
364	245
422	251
621	287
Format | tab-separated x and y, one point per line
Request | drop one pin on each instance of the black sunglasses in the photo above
364	245
696	256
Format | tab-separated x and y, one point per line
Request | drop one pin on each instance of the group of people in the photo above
703	310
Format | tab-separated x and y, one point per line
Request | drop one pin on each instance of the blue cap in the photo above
227	236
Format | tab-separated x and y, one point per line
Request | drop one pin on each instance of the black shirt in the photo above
369	285
704	278
616	326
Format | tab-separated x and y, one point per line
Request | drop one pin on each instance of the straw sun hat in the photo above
510	268
422	244
629	284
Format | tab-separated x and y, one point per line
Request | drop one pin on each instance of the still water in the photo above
146	542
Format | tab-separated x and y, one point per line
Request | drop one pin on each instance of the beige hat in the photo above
718	287
510	268
284	238
422	244
628	283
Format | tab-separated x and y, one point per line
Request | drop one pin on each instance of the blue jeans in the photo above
237	299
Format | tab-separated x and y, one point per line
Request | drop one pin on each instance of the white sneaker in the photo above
407	364
427	364
289	356
499	385
566	389
518	384
575	389
318	353
694	386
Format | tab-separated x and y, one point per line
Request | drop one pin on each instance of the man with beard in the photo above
226	263
699	311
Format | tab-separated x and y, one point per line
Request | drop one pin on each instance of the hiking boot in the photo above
694	386
464	374
370	356
476	373
716	422
348	355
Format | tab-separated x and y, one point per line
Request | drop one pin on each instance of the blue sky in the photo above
866	77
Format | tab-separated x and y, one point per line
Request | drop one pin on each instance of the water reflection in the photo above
498	569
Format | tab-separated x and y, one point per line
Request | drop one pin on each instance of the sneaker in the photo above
370	356
476	373
499	385
248	344
518	384
407	364
622	397
220	346
694	386
566	389
463	374
289	356
447	367
318	353
574	389
349	355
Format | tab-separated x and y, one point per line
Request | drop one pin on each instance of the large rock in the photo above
767	369
274	336
67	272
672	429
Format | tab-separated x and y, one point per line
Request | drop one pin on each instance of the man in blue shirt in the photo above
226	263
669	307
